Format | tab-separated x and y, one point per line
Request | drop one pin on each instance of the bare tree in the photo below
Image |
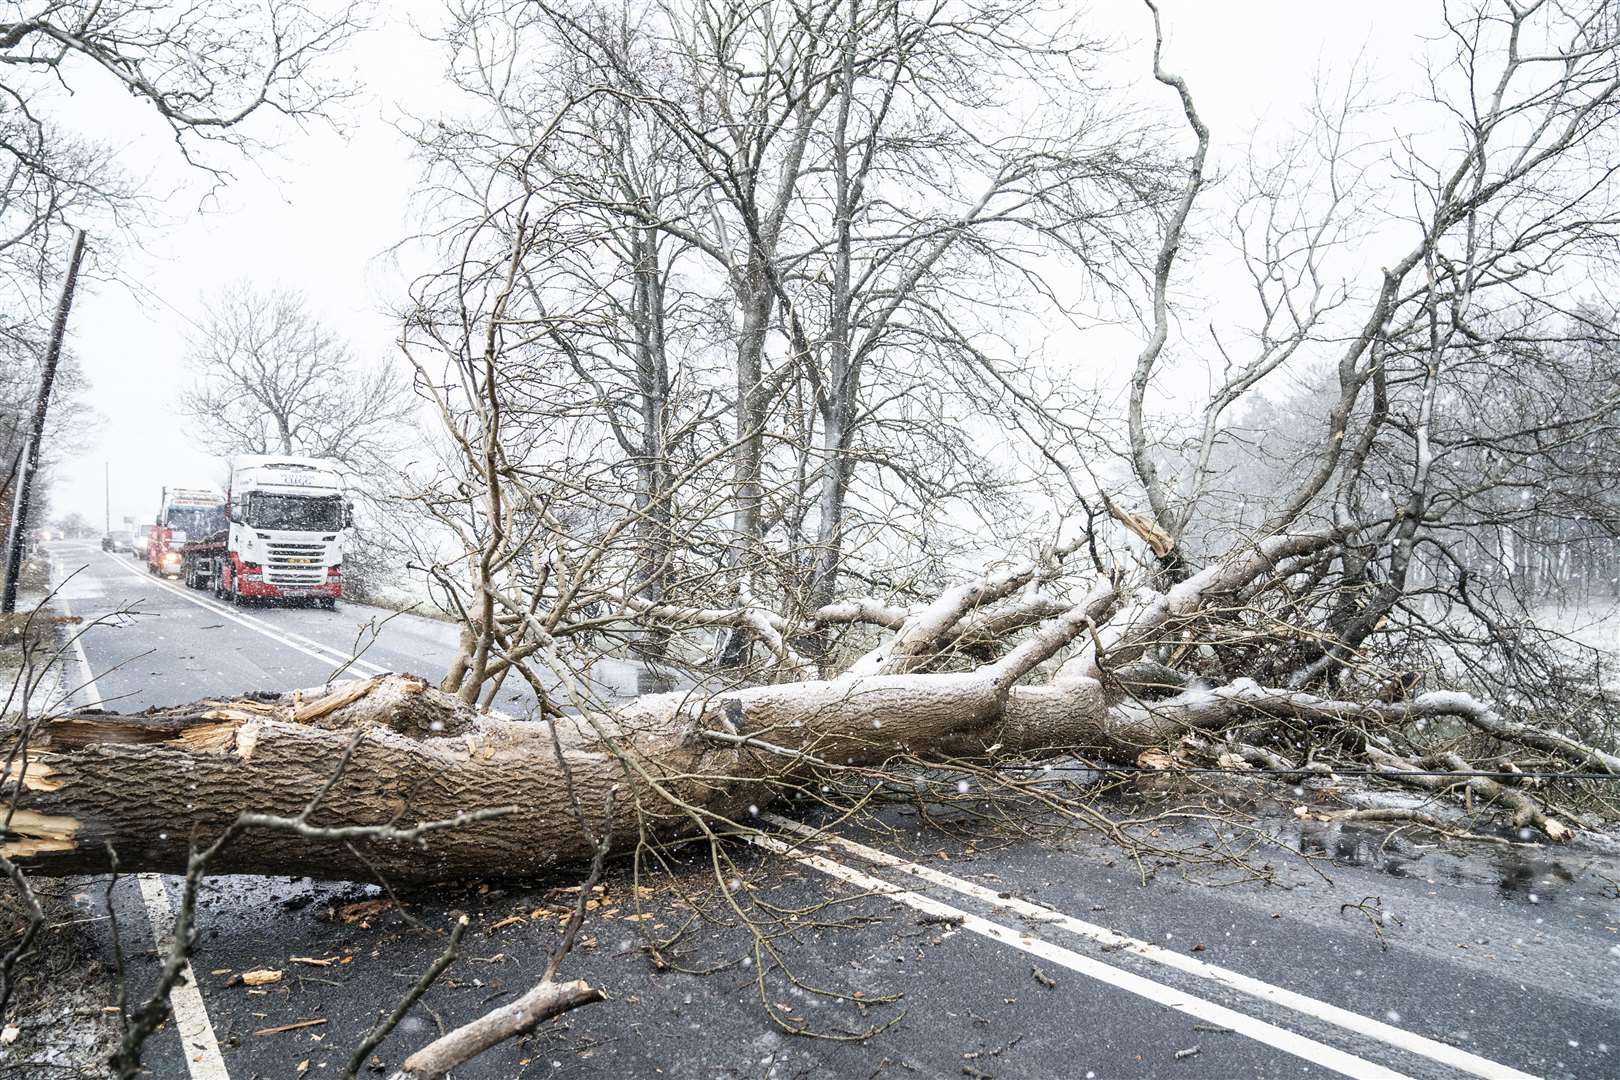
680	302
1303	598
19	381
271	378
207	69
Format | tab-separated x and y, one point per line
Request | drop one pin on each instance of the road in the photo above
993	955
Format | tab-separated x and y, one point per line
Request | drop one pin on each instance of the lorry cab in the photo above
185	516
285	536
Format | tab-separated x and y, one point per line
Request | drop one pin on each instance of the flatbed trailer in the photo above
201	559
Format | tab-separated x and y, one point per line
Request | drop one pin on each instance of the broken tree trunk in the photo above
394	751
147	785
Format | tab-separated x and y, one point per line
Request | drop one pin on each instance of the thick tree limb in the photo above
460	1046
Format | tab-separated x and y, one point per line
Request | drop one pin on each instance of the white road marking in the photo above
197	1039
1399	1038
327	654
1289	1042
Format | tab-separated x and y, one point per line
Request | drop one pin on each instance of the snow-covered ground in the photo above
1593	625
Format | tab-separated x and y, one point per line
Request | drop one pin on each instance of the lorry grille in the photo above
296	564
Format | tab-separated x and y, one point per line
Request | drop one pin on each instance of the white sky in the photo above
320	214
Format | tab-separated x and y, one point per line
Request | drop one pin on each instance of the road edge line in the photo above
198	1042
258	627
191	1022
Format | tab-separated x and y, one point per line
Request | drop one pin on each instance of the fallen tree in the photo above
1291	635
393	749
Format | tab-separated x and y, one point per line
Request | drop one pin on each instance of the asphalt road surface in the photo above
945	947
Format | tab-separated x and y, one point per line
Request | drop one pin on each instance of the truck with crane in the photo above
280	534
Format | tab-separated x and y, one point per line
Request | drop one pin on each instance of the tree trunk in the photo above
147	784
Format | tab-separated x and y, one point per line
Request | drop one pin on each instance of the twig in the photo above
381	1029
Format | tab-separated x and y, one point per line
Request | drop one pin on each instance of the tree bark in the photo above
147	784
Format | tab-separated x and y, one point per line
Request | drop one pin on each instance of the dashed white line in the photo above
197	1039
1400	1038
1279	1038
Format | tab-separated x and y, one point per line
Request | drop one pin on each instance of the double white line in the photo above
1280	1038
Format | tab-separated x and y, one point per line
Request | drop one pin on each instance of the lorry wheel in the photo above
329	603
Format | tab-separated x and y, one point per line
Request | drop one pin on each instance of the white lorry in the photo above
283	539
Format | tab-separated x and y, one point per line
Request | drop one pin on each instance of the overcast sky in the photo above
321	213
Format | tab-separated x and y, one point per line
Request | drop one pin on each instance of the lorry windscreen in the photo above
196	521
304	512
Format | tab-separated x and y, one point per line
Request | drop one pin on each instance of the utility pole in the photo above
30	457
106	487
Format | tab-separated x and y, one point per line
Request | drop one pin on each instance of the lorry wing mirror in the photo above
348	515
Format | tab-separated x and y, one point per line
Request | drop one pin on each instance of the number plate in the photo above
299	562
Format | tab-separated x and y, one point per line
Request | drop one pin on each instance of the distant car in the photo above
109	542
